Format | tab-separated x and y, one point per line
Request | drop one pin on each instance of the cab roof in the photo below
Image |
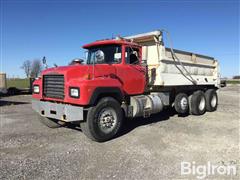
110	41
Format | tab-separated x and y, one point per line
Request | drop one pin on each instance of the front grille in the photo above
53	86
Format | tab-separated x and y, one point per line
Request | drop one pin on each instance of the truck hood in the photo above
69	72
73	72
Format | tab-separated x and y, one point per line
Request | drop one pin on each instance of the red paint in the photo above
130	79
110	41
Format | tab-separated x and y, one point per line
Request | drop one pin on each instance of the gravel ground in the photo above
150	148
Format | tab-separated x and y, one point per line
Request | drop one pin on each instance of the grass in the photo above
18	83
233	81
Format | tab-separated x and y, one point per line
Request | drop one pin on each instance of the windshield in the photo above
112	54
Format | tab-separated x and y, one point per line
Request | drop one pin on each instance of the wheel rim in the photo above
214	101
202	104
107	119
184	103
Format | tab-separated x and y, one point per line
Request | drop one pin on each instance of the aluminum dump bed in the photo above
177	68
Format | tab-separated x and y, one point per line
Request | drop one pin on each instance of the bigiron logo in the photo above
201	171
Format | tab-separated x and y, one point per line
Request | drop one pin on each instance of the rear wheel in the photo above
197	103
181	103
211	100
103	120
51	123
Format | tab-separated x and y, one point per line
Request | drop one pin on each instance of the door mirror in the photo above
99	55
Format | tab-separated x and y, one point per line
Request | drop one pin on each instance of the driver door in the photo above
131	72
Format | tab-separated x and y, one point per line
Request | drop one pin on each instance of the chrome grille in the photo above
53	86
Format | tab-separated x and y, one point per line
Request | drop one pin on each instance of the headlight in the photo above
74	92
36	89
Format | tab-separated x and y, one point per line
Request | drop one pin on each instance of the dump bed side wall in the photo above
162	68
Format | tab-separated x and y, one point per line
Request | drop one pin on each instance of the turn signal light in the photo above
87	76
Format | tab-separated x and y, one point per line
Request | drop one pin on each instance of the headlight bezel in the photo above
74	88
34	89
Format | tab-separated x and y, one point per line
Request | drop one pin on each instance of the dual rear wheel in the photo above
197	103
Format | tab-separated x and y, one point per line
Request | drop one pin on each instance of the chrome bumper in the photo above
63	112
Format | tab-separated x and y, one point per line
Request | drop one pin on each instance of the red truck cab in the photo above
120	71
66	94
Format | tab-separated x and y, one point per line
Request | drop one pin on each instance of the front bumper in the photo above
63	112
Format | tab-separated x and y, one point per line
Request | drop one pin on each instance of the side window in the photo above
132	55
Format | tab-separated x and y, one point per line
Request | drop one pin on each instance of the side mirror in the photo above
99	55
44	61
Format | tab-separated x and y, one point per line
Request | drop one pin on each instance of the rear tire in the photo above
51	123
197	103
103	120
181	103
211	100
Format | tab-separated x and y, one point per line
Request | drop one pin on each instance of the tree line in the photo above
32	68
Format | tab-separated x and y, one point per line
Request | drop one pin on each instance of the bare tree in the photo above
36	68
27	67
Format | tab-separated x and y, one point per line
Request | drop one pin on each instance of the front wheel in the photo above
103	120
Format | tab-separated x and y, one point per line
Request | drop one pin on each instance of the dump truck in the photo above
125	77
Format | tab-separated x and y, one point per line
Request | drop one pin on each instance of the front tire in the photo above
103	120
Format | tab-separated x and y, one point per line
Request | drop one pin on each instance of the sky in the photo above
58	29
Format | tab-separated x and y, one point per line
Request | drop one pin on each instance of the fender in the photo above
106	91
